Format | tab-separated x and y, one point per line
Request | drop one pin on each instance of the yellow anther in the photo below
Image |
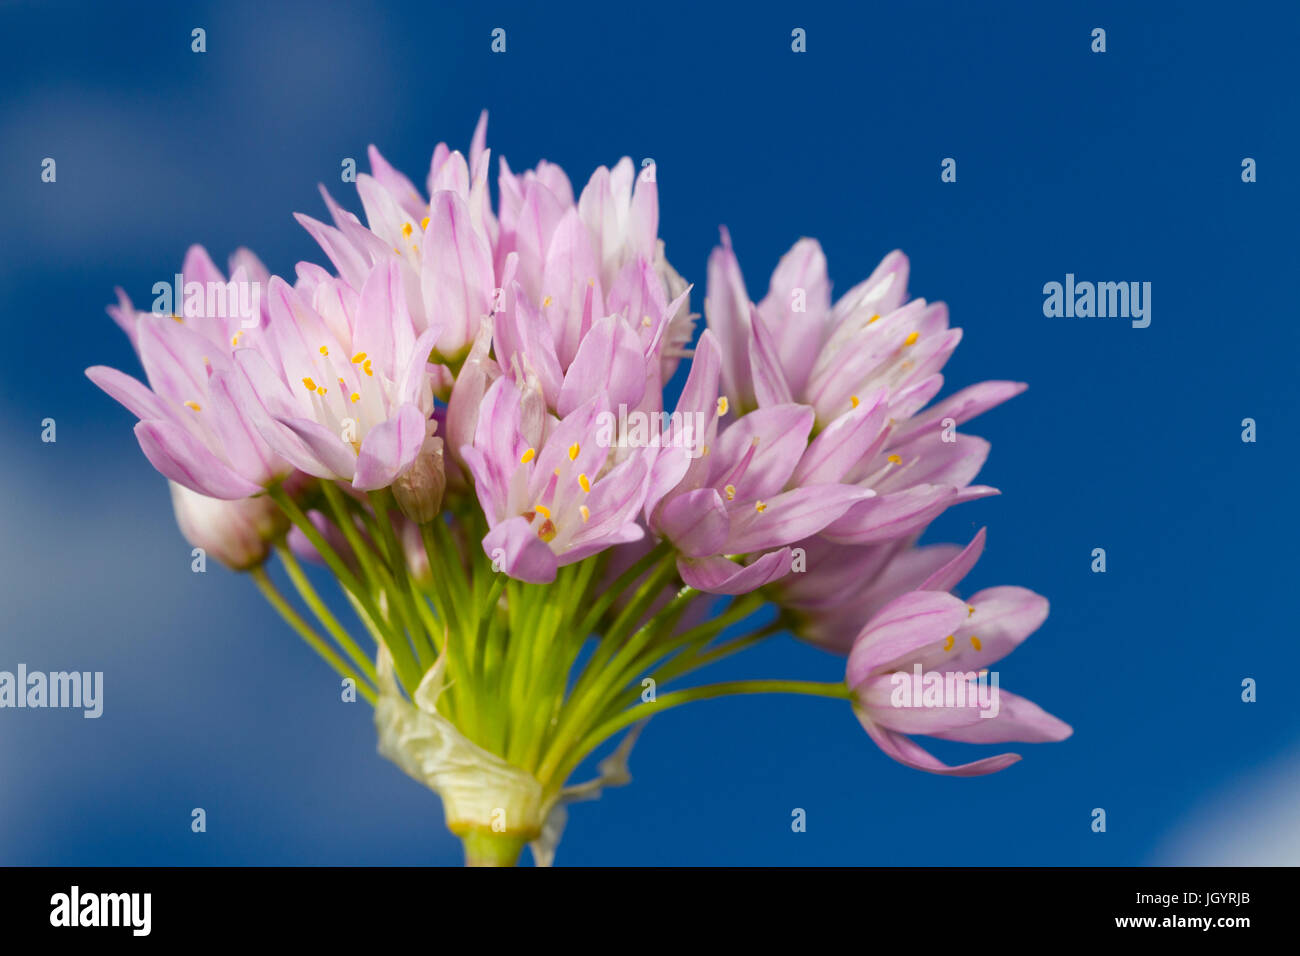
704	450
406	230
546	301
585	512
177	318
424	223
855	400
542	510
358	358
970	609
911	338
528	455
645	320
895	459
874	318
367	369
324	350
573	451
975	642
321	391
234	339
948	642
193	405
585	482
311	385
355	397
547	531
723	405
760	506
730	492
343	383
556	473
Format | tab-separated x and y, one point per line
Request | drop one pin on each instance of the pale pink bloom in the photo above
947	636
193	426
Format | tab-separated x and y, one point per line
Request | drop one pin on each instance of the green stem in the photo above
485	848
323	614
304	630
604	731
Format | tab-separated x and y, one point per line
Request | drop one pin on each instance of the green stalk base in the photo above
486	848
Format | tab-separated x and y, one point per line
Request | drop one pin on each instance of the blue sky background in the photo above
1123	166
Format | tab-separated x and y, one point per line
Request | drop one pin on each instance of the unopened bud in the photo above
419	489
237	533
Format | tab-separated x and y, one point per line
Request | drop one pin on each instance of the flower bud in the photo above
237	533
419	489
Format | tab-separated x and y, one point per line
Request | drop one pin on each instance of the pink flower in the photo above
194	427
344	396
952	642
841	586
544	486
866	366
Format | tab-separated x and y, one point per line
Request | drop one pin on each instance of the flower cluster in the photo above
465	420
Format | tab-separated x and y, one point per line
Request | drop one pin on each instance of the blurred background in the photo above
1122	166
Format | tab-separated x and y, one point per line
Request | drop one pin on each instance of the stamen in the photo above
542	510
911	339
585	482
546	301
760	506
854	399
355	397
424	223
324	350
358	358
527	456
730	492
406	230
975	642
874	318
585	512
723	405
969	610
948	642
194	405
311	385
895	459
366	368
573	451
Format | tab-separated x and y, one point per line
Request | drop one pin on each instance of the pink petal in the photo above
184	459
389	449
